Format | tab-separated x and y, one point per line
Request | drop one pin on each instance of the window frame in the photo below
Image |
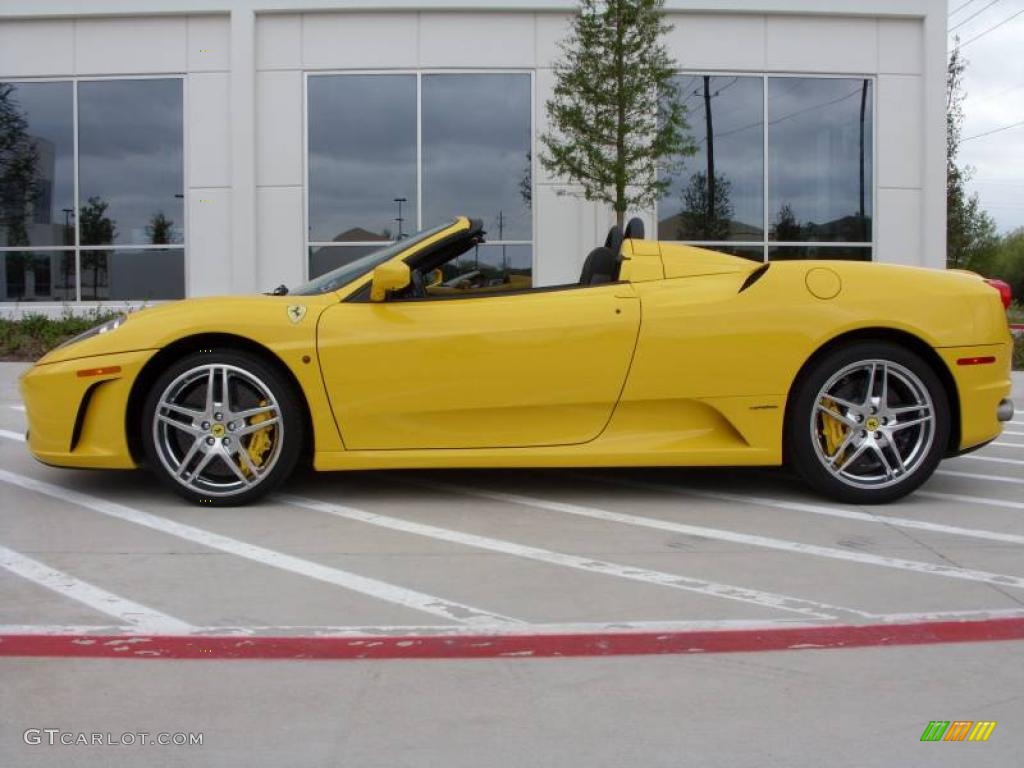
418	73
766	244
77	248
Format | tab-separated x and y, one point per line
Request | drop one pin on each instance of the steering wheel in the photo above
419	286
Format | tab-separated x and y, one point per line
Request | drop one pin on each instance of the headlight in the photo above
106	327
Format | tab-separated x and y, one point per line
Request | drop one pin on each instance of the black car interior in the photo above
604	263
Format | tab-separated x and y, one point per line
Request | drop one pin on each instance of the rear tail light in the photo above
1004	291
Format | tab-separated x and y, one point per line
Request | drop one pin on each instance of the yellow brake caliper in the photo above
259	441
833	430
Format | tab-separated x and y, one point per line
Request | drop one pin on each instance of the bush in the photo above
33	335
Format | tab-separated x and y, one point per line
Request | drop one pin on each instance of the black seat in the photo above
635	229
613	240
601	266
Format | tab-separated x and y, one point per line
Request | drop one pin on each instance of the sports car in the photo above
859	376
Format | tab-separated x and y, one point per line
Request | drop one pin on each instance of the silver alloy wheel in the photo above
218	429
873	423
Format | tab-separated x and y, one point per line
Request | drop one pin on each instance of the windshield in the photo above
346	273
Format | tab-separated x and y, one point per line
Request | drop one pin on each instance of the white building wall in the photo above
244	63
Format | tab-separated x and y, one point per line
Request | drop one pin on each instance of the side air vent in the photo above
753	277
83	407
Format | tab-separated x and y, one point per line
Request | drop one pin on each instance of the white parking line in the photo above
380	590
974	500
1011	432
17	408
994	459
976	476
591	565
125	611
12	435
1001	444
820	509
864	558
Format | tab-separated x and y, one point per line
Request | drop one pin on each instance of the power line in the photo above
989	96
994	130
976	13
992	28
961	7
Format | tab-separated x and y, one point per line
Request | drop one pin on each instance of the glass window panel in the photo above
131	173
325	258
36	164
844	252
476	152
125	273
819	159
362	157
718	193
492	266
37	275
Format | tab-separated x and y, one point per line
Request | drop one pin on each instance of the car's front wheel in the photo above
222	427
869	424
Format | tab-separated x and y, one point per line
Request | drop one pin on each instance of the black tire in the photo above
918	447
223	430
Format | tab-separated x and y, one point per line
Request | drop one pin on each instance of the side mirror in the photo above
391	276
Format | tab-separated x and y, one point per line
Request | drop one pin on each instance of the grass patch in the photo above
33	335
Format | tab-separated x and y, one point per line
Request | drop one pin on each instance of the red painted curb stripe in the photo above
498	646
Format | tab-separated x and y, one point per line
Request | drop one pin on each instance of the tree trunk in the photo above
620	124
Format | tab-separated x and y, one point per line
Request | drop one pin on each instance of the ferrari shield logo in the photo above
296	312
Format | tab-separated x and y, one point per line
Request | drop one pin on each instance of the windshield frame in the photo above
347	274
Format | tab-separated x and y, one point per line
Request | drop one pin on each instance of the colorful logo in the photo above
958	730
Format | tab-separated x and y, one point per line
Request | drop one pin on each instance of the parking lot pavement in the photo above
384	557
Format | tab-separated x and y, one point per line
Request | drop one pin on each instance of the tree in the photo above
786	228
19	160
616	117
160	229
970	231
96	229
1008	262
707	208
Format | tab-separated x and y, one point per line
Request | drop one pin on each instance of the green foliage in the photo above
159	229
970	231
1016	312
616	117
33	335
19	160
97	227
1006	261
707	208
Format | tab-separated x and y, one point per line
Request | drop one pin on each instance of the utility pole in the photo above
501	237
400	200
710	211
863	105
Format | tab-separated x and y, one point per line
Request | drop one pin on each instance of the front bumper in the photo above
76	410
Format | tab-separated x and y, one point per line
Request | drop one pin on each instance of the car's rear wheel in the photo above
222	427
869	423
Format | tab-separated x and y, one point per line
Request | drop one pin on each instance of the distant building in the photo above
232	145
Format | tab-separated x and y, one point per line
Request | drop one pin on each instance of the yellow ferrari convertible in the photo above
860	376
